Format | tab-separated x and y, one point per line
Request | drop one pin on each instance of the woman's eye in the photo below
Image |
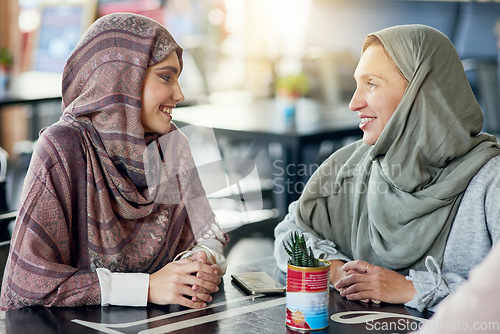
371	84
166	78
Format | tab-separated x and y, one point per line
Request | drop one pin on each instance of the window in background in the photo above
237	46
211	34
61	26
51	30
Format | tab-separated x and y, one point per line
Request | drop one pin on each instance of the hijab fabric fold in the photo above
392	204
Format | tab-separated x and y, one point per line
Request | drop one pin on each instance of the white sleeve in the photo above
123	289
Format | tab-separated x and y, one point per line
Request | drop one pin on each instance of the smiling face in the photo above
160	93
379	89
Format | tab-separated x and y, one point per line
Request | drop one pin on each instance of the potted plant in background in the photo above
6	61
307	291
289	89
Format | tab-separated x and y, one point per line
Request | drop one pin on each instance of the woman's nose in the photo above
178	96
357	101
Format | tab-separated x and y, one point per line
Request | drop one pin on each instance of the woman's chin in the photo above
164	129
161	131
368	140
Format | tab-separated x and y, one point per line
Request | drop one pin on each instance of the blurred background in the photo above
235	47
235	51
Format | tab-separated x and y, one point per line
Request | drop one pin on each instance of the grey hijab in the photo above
392	204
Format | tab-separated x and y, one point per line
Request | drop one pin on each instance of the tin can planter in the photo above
307	297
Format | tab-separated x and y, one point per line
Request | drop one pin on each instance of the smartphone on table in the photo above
258	282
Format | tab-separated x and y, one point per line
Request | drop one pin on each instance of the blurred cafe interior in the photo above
240	57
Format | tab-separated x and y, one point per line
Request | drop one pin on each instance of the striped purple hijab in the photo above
99	193
102	84
102	96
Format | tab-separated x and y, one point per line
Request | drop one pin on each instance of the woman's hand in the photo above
365	282
186	282
201	256
336	272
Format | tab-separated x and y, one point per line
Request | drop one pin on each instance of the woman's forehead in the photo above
373	62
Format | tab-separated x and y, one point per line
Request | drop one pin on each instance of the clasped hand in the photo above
359	280
188	282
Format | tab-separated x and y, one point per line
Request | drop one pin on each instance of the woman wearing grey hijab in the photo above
395	211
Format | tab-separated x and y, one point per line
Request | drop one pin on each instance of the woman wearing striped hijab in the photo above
112	210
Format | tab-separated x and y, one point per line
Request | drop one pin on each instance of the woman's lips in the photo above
365	121
166	110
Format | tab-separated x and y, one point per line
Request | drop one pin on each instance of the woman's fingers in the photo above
358	291
361	292
199	289
203	278
348	281
209	272
360	266
184	282
191	303
211	275
200	256
374	283
173	292
204	297
356	284
216	270
192	280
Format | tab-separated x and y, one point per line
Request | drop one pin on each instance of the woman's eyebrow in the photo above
371	75
171	68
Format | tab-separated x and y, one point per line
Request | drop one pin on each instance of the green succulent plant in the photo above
300	254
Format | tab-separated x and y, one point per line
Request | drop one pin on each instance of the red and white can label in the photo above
307	295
